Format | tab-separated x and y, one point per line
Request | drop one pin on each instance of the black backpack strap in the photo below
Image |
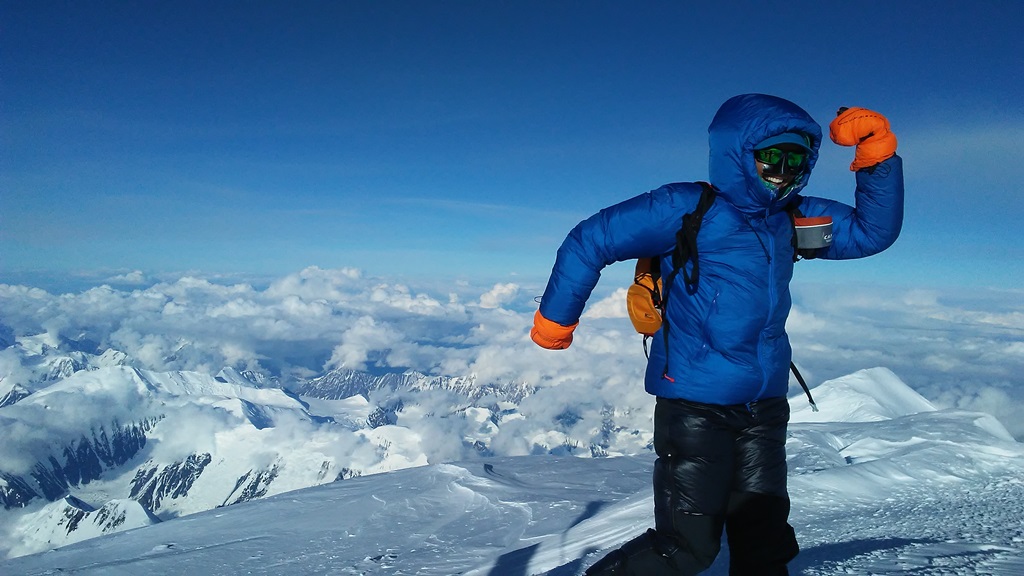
803	384
654	270
656	296
686	239
686	252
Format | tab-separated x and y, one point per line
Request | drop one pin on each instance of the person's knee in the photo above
698	535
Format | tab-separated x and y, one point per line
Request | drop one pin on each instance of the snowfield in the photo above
881	482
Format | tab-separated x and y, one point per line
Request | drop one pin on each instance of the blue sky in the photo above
464	139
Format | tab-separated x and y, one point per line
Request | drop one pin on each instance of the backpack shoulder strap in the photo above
686	253
686	241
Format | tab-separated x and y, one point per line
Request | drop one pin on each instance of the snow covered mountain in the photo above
881	481
69	520
92	441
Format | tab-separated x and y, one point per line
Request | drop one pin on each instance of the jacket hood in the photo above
740	124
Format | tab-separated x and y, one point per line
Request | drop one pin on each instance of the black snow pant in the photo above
717	466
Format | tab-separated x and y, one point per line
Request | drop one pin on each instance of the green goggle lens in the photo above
781	162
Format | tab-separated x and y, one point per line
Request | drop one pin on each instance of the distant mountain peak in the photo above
868	395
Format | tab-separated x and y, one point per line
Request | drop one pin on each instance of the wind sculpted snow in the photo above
896	487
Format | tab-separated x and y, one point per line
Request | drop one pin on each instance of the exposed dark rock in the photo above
15	492
252	485
85	459
153	483
15	394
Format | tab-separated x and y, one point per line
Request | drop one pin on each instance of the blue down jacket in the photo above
727	341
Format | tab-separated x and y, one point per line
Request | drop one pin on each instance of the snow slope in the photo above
894	487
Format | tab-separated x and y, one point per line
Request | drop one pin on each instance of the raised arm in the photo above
875	222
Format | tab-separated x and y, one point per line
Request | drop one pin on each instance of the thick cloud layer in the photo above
963	350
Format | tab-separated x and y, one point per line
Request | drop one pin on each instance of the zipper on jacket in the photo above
767	254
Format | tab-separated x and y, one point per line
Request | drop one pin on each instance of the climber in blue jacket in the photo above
720	373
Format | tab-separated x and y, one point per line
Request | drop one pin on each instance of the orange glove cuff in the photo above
868	131
551	335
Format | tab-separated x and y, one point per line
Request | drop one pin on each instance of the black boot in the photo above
761	541
649	554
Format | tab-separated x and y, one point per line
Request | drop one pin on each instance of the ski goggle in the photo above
778	162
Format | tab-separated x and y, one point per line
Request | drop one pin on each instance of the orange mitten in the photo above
868	131
551	335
